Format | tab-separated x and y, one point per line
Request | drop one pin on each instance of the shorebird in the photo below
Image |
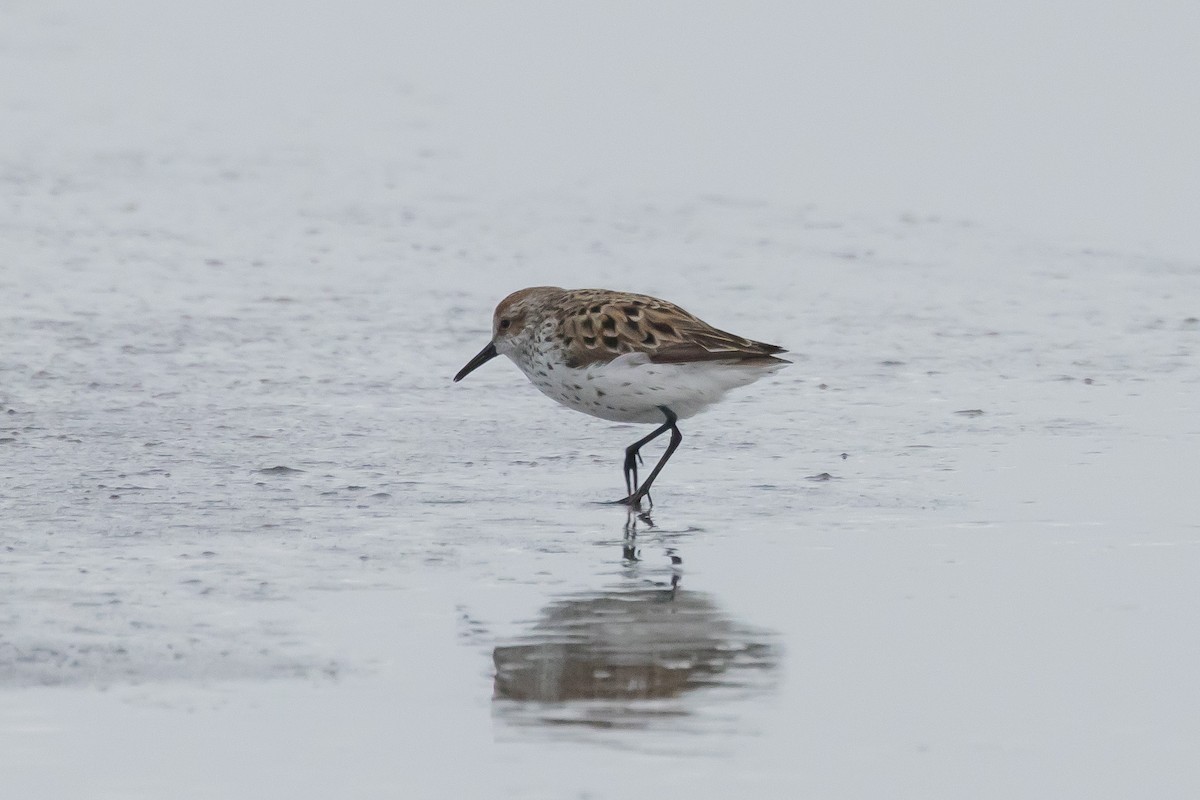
623	357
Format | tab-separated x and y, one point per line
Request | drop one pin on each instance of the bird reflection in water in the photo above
636	655
629	551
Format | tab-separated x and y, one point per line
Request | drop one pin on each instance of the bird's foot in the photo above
635	500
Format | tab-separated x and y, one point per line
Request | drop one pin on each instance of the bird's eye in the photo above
504	323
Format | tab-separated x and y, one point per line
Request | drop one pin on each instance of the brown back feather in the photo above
601	325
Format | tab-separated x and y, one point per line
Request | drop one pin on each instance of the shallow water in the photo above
257	544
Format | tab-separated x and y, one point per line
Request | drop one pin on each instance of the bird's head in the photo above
514	322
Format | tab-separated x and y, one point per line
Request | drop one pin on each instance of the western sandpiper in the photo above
623	357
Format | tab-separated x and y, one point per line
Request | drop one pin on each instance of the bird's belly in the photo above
618	402
621	393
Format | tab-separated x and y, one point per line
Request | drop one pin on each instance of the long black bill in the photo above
485	355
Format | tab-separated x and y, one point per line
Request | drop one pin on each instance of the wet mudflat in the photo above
256	544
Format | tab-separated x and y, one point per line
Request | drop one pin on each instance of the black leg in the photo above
632	456
644	491
635	496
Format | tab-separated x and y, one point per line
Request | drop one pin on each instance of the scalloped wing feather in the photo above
600	325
